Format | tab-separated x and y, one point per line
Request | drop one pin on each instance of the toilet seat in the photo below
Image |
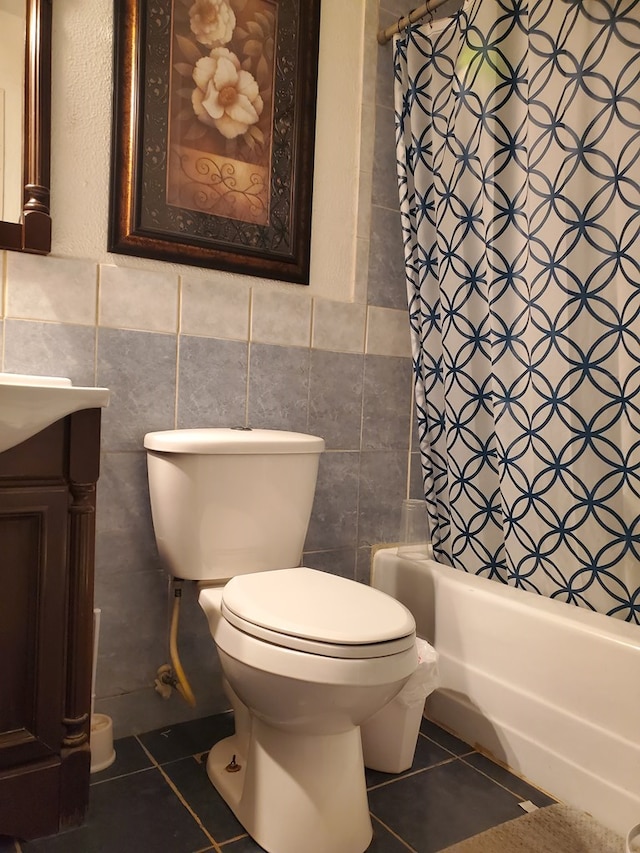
318	613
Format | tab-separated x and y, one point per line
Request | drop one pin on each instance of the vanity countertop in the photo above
28	404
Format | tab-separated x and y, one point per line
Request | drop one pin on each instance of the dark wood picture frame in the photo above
185	166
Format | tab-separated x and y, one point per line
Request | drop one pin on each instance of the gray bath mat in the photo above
554	829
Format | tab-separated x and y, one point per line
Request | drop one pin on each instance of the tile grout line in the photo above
437	742
519	797
234	839
99	782
176	791
395	834
413	773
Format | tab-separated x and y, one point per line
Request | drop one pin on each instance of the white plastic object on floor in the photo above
101	739
102	752
389	738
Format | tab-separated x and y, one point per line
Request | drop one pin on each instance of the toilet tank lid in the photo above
232	441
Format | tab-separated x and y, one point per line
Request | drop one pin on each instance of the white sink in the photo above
30	403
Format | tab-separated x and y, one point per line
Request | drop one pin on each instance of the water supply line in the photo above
181	682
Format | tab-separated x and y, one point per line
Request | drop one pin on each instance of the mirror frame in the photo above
33	232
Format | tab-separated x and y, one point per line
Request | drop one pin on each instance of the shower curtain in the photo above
518	128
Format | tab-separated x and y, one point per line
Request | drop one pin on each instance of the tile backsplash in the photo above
187	352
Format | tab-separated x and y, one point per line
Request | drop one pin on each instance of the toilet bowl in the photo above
306	656
301	680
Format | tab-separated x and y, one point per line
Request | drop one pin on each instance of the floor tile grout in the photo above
501	784
470	751
409	775
121	776
395	834
182	799
491	779
391	819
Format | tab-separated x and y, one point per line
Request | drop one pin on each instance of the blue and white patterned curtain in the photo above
519	172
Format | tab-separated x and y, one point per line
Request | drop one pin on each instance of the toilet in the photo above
306	656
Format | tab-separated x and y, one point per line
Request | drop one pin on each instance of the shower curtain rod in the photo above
402	23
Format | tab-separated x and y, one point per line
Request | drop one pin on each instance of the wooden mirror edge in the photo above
33	232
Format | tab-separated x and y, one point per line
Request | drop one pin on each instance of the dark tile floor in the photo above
156	797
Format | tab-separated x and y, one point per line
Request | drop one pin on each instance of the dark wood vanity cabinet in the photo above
47	537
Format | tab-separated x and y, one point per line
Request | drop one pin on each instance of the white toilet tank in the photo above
227	502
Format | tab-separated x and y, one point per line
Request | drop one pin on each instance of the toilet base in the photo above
294	791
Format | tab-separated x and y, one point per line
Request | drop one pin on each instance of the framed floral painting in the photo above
213	133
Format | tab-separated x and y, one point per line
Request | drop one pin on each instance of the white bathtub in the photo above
550	690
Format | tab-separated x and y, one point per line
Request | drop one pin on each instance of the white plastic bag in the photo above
423	680
389	738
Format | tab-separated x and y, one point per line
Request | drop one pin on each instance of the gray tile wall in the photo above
198	350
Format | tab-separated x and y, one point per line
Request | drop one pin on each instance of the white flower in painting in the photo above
212	22
226	97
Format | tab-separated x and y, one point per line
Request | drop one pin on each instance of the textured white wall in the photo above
81	139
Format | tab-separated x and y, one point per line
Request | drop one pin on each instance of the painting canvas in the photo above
220	129
213	140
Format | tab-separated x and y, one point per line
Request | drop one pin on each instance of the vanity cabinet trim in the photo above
47	522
